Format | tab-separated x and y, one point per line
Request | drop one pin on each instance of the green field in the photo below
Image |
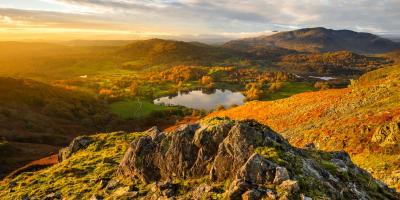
290	88
133	109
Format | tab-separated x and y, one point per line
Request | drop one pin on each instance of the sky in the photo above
189	19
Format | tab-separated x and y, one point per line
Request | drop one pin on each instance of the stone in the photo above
168	193
252	195
270	195
104	182
112	185
25	197
77	144
168	189
304	197
281	174
12	184
291	186
237	188
257	170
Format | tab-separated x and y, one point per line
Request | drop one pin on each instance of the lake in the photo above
203	100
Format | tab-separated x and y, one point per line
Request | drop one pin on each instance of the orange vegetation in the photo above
363	120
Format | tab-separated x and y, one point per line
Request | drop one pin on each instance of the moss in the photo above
216	121
271	153
312	187
76	176
165	144
329	166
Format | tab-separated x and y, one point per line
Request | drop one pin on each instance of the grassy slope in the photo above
78	174
36	119
131	109
339	119
290	89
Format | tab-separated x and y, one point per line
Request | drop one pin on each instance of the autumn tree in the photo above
207	81
253	91
276	86
133	88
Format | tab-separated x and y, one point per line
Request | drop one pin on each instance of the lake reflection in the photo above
205	100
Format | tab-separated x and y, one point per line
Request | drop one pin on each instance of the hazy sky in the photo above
188	19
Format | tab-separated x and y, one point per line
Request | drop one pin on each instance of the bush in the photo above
322	85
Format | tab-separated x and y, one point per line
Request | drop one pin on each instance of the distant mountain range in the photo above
318	40
93	57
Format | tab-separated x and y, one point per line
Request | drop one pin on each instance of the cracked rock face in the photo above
258	161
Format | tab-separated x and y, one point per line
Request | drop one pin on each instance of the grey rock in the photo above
304	197
281	174
77	144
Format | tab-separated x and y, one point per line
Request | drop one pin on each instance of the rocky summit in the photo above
216	158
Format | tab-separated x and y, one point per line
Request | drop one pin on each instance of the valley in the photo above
162	118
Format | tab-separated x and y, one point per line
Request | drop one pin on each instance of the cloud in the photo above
229	18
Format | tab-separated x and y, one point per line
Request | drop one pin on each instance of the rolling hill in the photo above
36	119
34	59
100	57
363	119
55	61
341	63
318	40
170	52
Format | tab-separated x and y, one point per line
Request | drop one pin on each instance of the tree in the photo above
206	80
134	87
276	86
253	91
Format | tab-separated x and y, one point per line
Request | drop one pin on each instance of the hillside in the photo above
45	60
76	58
342	63
363	120
169	52
203	160
318	40
36	119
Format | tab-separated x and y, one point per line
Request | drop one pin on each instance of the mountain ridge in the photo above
318	40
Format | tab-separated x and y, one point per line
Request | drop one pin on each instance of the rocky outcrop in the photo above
258	162
77	144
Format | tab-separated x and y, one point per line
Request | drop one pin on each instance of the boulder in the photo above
239	145
290	186
281	174
77	144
